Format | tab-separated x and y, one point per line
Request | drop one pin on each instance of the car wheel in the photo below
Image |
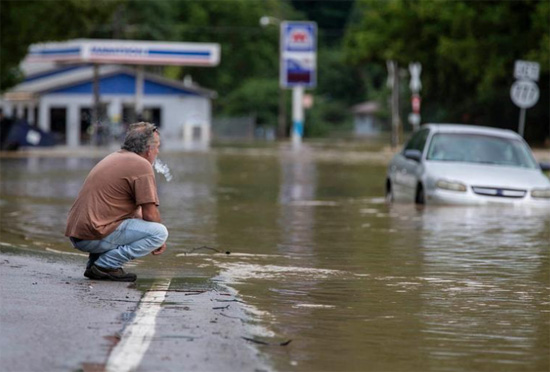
389	192
420	196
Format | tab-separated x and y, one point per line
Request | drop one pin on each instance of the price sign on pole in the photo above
298	68
298	65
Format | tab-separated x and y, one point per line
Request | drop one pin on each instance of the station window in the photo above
58	124
150	114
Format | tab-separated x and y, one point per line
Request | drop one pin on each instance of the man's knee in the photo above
160	234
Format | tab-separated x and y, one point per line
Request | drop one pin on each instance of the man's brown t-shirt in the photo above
111	193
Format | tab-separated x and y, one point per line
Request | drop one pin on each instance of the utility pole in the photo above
281	115
281	118
140	82
393	83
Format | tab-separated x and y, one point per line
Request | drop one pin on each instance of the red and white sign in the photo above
415	103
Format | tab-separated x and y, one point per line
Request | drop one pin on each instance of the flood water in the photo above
318	257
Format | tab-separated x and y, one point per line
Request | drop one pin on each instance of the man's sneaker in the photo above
117	275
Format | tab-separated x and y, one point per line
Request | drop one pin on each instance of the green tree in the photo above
249	53
331	17
327	116
255	96
248	50
339	87
467	50
26	22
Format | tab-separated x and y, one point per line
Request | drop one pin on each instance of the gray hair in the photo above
139	137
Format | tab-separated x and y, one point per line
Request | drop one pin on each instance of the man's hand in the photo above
159	250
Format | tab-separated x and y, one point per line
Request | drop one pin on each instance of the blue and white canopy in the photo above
132	52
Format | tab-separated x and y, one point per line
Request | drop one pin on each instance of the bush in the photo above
326	117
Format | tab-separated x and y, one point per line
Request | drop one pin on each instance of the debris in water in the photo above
268	343
206	247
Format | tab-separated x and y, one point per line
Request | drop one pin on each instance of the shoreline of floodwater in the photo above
310	150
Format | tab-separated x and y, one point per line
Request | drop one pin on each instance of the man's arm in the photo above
138	214
151	213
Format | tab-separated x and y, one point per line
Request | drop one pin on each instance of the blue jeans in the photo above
133	238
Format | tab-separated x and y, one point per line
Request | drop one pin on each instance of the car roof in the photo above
474	129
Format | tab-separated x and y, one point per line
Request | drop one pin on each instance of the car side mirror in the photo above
545	166
415	155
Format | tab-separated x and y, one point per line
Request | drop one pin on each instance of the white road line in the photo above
69	253
137	335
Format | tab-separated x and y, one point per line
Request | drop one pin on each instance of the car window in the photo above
418	140
422	140
484	149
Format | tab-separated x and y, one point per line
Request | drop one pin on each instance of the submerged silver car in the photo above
464	164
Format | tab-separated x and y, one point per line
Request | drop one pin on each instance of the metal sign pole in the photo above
139	92
297	115
395	106
521	121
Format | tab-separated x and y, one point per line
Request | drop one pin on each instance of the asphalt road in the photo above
54	319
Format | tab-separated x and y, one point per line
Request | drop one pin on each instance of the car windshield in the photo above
484	149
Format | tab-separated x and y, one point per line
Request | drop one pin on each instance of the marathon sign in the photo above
54	52
298	64
126	52
120	51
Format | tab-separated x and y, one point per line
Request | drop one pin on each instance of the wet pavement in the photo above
52	318
317	257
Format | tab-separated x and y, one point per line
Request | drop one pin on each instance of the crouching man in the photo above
115	217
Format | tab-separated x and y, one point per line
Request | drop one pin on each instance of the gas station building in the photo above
64	82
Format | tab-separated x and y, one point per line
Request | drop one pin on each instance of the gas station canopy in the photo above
132	52
119	52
